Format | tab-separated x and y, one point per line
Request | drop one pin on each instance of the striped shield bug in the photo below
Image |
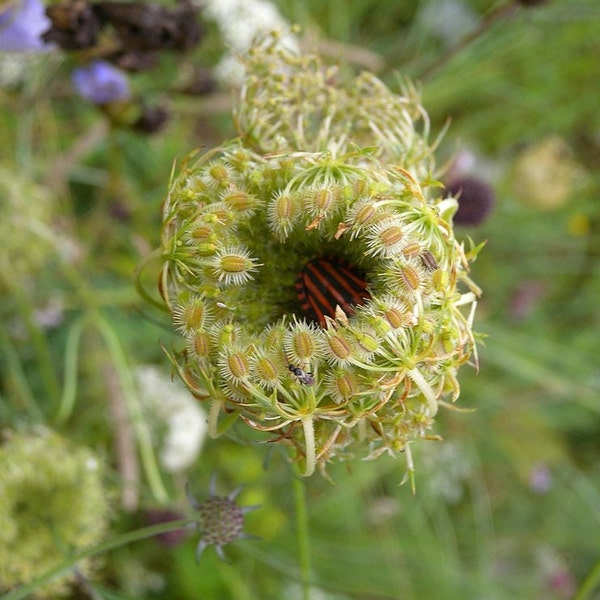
327	282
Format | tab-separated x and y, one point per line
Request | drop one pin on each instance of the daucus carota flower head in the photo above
312	268
293	102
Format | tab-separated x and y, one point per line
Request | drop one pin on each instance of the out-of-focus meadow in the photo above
506	506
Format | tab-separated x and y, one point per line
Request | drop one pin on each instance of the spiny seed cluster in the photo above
221	520
241	221
308	108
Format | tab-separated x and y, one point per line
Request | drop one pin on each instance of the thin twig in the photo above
356	55
127	459
58	171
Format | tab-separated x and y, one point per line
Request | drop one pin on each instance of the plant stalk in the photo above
303	535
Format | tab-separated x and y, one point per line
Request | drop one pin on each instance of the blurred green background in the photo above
508	505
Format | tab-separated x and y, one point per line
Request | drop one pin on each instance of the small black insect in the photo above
303	376
428	260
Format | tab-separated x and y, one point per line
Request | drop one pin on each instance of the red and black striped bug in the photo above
327	282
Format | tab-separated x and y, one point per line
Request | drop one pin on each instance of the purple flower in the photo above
475	199
101	83
22	25
540	478
170	539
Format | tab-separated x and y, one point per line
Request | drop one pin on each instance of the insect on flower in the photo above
303	376
382	305
327	282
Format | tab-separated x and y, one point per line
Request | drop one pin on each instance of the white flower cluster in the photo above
240	22
171	406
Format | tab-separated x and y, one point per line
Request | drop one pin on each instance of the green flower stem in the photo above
265	402
17	377
70	381
40	343
410	469
309	440
213	417
303	537
137	278
286	395
65	401
428	393
128	538
96	319
134	409
589	584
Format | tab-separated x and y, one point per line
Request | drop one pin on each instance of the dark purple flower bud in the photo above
152	119
101	83
22	25
75	25
532	2
524	299
150	26
203	82
171	538
119	211
134	60
475	200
